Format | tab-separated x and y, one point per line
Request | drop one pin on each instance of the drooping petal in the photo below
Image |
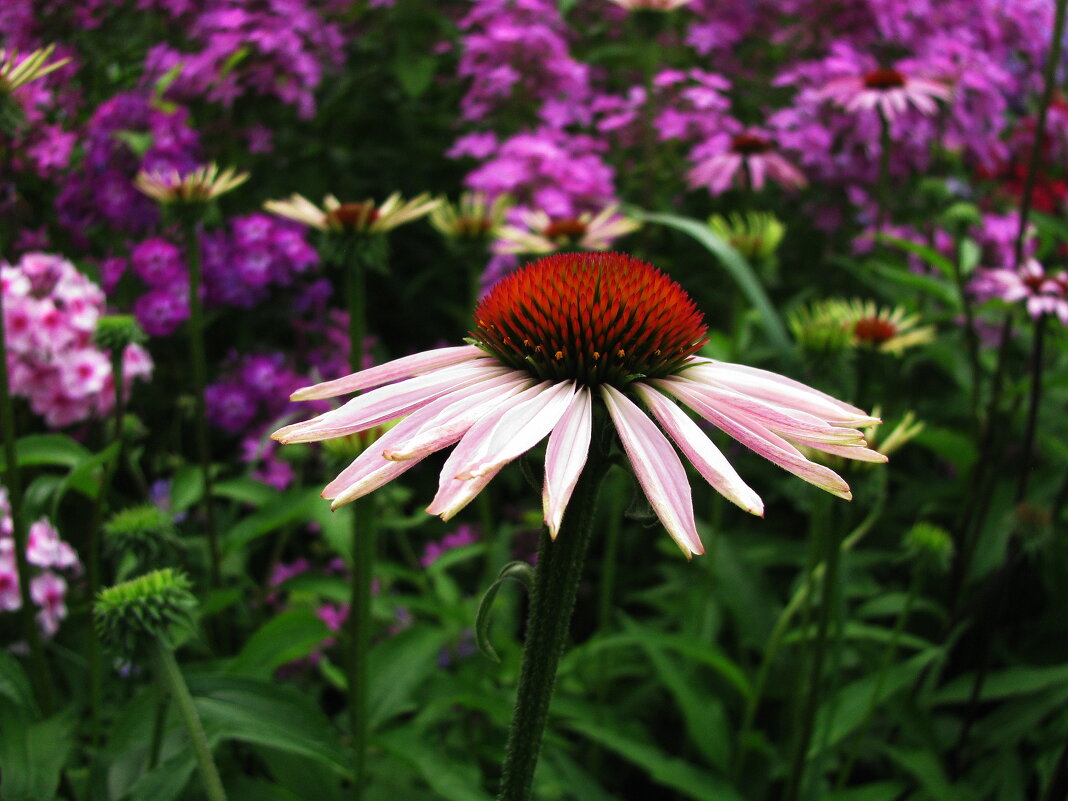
700	450
758	439
388	403
658	469
404	367
511	430
565	456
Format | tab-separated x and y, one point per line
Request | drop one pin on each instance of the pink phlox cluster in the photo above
47	554
717	26
558	172
464	535
50	313
1042	293
248	48
516	50
124	134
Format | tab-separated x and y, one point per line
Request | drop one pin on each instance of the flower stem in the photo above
885	144
45	687
556	583
359	620
1032	410
171	676
198	362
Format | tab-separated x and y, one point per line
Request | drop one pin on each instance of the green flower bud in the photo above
115	331
930	548
145	531
156	606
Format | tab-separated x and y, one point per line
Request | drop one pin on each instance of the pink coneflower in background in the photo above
541	233
556	338
1043	293
887	90
651	5
746	159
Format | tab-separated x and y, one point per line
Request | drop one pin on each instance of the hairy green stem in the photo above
198	361
171	676
556	583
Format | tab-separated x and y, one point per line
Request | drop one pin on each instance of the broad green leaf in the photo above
291	635
878	791
398	665
956	448
925	766
32	752
414	73
297	504
448	778
47	450
187	487
582	786
736	265
87	477
1005	684
703	713
930	256
165	781
15	685
875	273
662	768
264	713
245	490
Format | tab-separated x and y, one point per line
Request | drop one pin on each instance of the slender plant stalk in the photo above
363	533
1032	410
832	550
41	671
556	581
198	361
159	722
171	676
885	145
971	338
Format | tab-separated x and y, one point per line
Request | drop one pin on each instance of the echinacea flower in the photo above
199	186
551	341
1043	293
887	90
651	5
363	217
16	72
836	324
544	234
747	159
473	217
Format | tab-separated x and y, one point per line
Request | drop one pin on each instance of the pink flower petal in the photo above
658	469
405	367
565	456
700	450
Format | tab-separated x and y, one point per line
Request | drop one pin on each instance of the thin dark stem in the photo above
198	361
971	338
1032	410
553	600
885	143
41	672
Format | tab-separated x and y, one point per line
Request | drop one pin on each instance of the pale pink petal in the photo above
388	403
858	453
471	447
658	469
757	170
405	367
565	456
700	450
766	443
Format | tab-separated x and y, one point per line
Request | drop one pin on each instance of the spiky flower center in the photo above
874	331
592	317
884	79
750	145
352	215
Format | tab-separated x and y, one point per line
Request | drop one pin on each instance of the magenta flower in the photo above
554	339
748	159
1043	294
887	90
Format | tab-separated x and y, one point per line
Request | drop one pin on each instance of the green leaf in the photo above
449	779
663	769
930	256
187	487
47	450
261	712
1004	684
879	791
165	781
15	685
32	753
702	712
924	765
875	273
735	264
514	571
398	666
414	73
297	504
581	785
956	448
245	490
291	635
87	477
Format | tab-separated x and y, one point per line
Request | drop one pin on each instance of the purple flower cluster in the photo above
249	48
50	313
464	535
255	392
46	552
124	134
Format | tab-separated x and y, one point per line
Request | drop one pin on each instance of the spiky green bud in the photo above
144	531
116	331
157	606
930	548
